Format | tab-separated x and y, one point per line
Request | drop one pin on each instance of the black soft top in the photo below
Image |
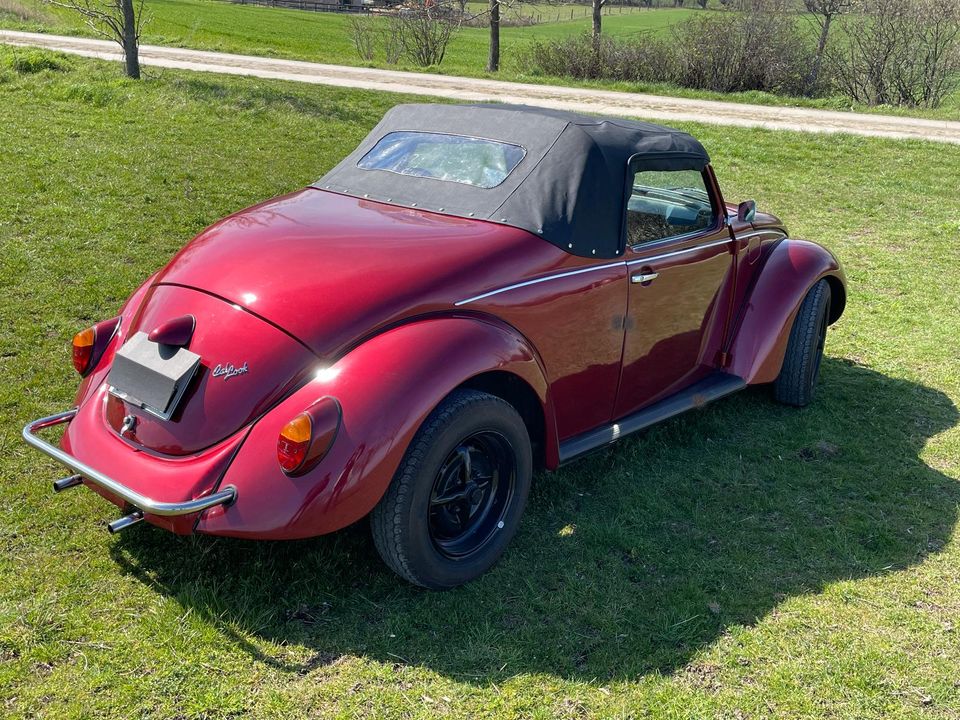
571	186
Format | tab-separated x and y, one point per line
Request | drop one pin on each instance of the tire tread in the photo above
795	383
386	519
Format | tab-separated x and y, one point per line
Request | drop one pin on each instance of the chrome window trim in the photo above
721	217
683	251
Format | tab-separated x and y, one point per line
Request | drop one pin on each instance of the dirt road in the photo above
608	102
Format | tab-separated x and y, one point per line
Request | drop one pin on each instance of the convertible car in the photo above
474	293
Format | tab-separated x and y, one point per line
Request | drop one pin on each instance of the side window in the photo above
667	203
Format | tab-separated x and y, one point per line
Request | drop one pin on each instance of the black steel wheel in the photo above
797	380
471	493
457	497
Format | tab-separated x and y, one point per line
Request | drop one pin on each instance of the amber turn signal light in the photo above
308	437
83	343
293	442
89	344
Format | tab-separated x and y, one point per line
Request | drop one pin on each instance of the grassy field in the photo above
325	37
745	561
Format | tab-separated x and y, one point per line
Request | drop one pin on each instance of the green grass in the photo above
745	561
325	37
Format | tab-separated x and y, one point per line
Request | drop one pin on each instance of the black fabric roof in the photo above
570	188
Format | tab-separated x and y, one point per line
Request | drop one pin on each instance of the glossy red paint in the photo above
89	438
386	387
331	269
763	326
176	332
387	310
218	403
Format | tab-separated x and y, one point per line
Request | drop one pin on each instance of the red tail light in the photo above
83	343
308	437
294	442
89	344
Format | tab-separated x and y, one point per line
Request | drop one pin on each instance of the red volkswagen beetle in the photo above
474	292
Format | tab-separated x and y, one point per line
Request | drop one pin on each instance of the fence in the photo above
313	5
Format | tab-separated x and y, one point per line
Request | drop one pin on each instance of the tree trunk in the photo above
818	58
493	59
131	53
597	20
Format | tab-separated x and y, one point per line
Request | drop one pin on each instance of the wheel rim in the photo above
471	494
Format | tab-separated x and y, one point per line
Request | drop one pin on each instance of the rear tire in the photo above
797	380
456	499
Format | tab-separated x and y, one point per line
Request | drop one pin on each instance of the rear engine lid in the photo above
246	366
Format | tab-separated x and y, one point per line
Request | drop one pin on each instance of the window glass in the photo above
471	161
667	203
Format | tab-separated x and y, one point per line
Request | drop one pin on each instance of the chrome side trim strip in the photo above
684	251
537	281
147	505
762	232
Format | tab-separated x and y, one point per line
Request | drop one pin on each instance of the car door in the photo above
679	264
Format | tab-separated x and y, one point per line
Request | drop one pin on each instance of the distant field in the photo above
325	37
743	562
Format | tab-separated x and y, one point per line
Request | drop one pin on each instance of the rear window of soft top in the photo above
454	158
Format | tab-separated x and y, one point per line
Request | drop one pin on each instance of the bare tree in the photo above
364	36
388	37
597	21
824	12
424	33
118	20
898	52
493	57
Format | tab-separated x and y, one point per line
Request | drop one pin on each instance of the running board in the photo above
707	390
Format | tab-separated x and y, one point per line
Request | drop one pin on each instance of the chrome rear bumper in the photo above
89	475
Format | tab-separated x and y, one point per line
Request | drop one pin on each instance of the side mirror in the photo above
747	211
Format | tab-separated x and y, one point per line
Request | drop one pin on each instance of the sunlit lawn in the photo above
745	561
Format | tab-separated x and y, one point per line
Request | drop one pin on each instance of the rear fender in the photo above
386	387
791	269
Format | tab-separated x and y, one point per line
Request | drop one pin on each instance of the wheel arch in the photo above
760	339
387	387
838	297
515	390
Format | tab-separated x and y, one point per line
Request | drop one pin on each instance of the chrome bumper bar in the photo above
90	475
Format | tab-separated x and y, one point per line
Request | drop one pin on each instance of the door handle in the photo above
643	277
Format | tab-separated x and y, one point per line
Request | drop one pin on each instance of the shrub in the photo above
421	34
643	59
736	52
424	33
726	52
363	34
898	52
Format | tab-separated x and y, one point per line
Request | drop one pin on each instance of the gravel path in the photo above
608	102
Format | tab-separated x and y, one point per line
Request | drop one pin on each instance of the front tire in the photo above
797	380
456	499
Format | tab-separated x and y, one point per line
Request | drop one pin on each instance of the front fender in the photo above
760	341
386	387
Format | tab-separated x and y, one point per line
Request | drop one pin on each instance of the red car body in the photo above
389	309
